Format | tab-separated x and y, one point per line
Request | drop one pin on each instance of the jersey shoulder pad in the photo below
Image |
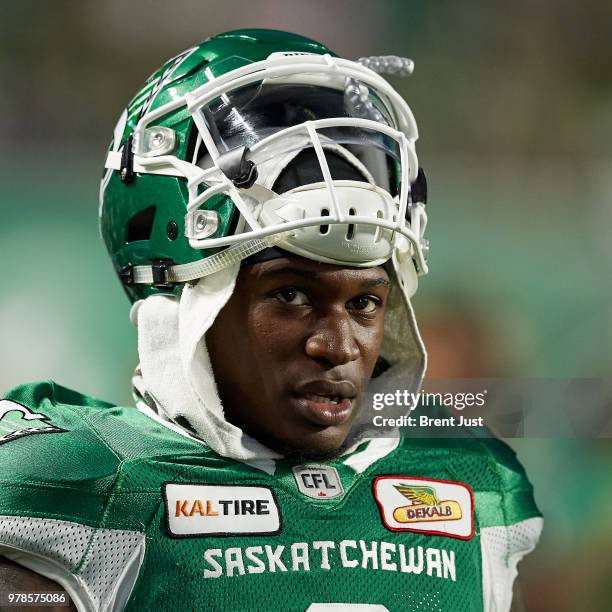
44	408
59	514
53	460
487	464
513	497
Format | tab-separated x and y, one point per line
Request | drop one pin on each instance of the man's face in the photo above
292	349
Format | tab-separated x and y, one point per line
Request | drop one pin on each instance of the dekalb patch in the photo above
318	481
17	421
201	510
438	507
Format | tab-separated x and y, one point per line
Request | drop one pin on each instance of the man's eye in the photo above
293	297
365	303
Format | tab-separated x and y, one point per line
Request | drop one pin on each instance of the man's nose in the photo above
332	340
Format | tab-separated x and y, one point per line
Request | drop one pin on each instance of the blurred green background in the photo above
514	104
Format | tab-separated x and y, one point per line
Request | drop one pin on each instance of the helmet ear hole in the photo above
140	225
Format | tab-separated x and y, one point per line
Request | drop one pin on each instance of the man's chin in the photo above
310	454
309	448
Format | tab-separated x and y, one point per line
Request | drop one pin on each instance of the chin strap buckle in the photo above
126	274
159	268
126	171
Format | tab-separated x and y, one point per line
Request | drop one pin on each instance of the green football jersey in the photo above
130	513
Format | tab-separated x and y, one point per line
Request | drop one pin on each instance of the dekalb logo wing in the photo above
425	506
438	507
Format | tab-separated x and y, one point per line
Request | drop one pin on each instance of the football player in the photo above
263	206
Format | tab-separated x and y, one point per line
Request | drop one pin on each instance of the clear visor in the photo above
246	115
249	115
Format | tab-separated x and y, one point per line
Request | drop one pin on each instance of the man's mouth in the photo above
322	399
326	403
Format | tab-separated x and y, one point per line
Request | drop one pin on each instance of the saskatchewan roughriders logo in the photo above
425	506
17	421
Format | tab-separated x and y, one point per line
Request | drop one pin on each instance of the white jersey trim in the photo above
502	548
73	555
376	449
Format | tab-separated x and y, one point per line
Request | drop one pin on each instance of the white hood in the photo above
176	373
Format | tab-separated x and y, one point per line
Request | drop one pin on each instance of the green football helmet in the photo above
258	138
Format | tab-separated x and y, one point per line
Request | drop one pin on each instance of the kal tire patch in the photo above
196	510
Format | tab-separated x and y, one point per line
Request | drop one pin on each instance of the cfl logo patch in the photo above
318	481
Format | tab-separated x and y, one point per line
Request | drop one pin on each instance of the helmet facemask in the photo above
254	117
